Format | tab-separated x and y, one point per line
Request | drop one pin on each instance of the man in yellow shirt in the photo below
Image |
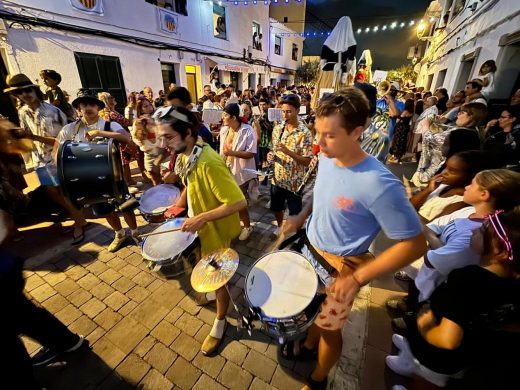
211	194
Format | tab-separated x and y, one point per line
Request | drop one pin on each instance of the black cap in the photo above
233	109
86	95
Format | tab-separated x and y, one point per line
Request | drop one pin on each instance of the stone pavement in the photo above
145	332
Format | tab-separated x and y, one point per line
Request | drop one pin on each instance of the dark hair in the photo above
491	64
139	106
475	85
371	93
444	91
503	185
263	100
419	107
180	126
292	100
52	74
476	161
514	111
477	112
409	105
352	105
180	93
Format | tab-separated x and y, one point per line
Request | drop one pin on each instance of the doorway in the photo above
191	81
234	80
466	69
168	75
251	77
508	79
7	107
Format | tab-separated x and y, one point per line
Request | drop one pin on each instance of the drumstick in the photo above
161	232
277	243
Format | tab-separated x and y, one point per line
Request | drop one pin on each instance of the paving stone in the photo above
186	346
105	256
273	354
124	252
68	315
127	309
143	278
168	295
42	269
108	318
108	352
66	287
174	315
64	264
79	297
54	278
183	374
115	382
144	346
123	284
149	313
83	325
134	258
202	333
210	365
206	383
189	324
154	380
133	369
110	276
116	263
234	351
206	315
165	332
91	247
43	292
76	272
33	281
89	281
55	303
126	334
160	357
129	270
97	267
96	334
234	377
93	307
79	257
259	342
155	285
284	380
101	291
259	384
116	300
189	305
138	293
259	365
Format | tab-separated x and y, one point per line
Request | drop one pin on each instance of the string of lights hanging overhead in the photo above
255	2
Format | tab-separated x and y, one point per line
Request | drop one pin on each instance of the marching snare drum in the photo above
171	254
281	288
156	200
91	173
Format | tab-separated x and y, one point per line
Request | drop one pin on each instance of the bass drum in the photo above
91	173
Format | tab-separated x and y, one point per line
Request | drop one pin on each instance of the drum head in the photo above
166	246
281	283
157	199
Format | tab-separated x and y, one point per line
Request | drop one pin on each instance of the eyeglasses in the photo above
500	231
170	114
21	91
338	100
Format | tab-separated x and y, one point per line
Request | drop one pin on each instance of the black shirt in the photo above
328	55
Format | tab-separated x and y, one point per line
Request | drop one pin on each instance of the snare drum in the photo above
155	201
281	287
171	254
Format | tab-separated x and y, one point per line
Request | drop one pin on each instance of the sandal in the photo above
305	354
79	239
317	385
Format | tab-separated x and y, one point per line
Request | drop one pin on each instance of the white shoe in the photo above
400	365
399	341
268	205
245	233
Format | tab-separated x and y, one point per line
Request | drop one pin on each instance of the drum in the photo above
91	173
157	200
281	288
171	254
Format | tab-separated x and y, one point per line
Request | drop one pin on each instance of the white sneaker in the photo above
401	365
245	233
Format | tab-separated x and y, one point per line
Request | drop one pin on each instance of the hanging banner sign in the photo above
90	6
168	21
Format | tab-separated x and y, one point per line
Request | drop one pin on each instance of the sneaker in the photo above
117	243
46	355
403	276
245	233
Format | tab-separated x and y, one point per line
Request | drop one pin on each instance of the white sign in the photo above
256	111
303	110
211	116
379	75
274	115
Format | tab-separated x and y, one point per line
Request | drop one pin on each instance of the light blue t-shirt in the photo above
351	205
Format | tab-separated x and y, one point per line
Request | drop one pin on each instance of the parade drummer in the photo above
211	195
354	198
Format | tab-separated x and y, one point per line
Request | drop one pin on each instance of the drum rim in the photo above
155	260
154	188
253	265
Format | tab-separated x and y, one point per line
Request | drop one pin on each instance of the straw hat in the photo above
18	81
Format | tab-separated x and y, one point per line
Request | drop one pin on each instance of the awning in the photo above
229	64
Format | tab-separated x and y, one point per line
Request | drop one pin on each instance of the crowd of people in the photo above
459	217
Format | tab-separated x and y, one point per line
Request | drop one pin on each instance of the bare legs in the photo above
244	217
57	196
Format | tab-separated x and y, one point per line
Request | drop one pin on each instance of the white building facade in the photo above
125	45
461	35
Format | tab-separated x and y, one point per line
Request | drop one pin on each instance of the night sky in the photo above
389	48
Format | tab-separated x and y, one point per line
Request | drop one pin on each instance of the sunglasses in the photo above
500	231
170	114
21	91
338	100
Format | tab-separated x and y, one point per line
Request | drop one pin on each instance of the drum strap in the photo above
319	258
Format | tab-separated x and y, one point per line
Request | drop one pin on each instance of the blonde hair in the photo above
105	112
503	185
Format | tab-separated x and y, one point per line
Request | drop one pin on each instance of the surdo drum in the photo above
173	253
281	289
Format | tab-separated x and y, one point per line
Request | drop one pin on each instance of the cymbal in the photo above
215	270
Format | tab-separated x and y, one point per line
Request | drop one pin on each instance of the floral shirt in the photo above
288	174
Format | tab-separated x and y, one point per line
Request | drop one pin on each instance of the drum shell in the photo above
90	173
179	264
